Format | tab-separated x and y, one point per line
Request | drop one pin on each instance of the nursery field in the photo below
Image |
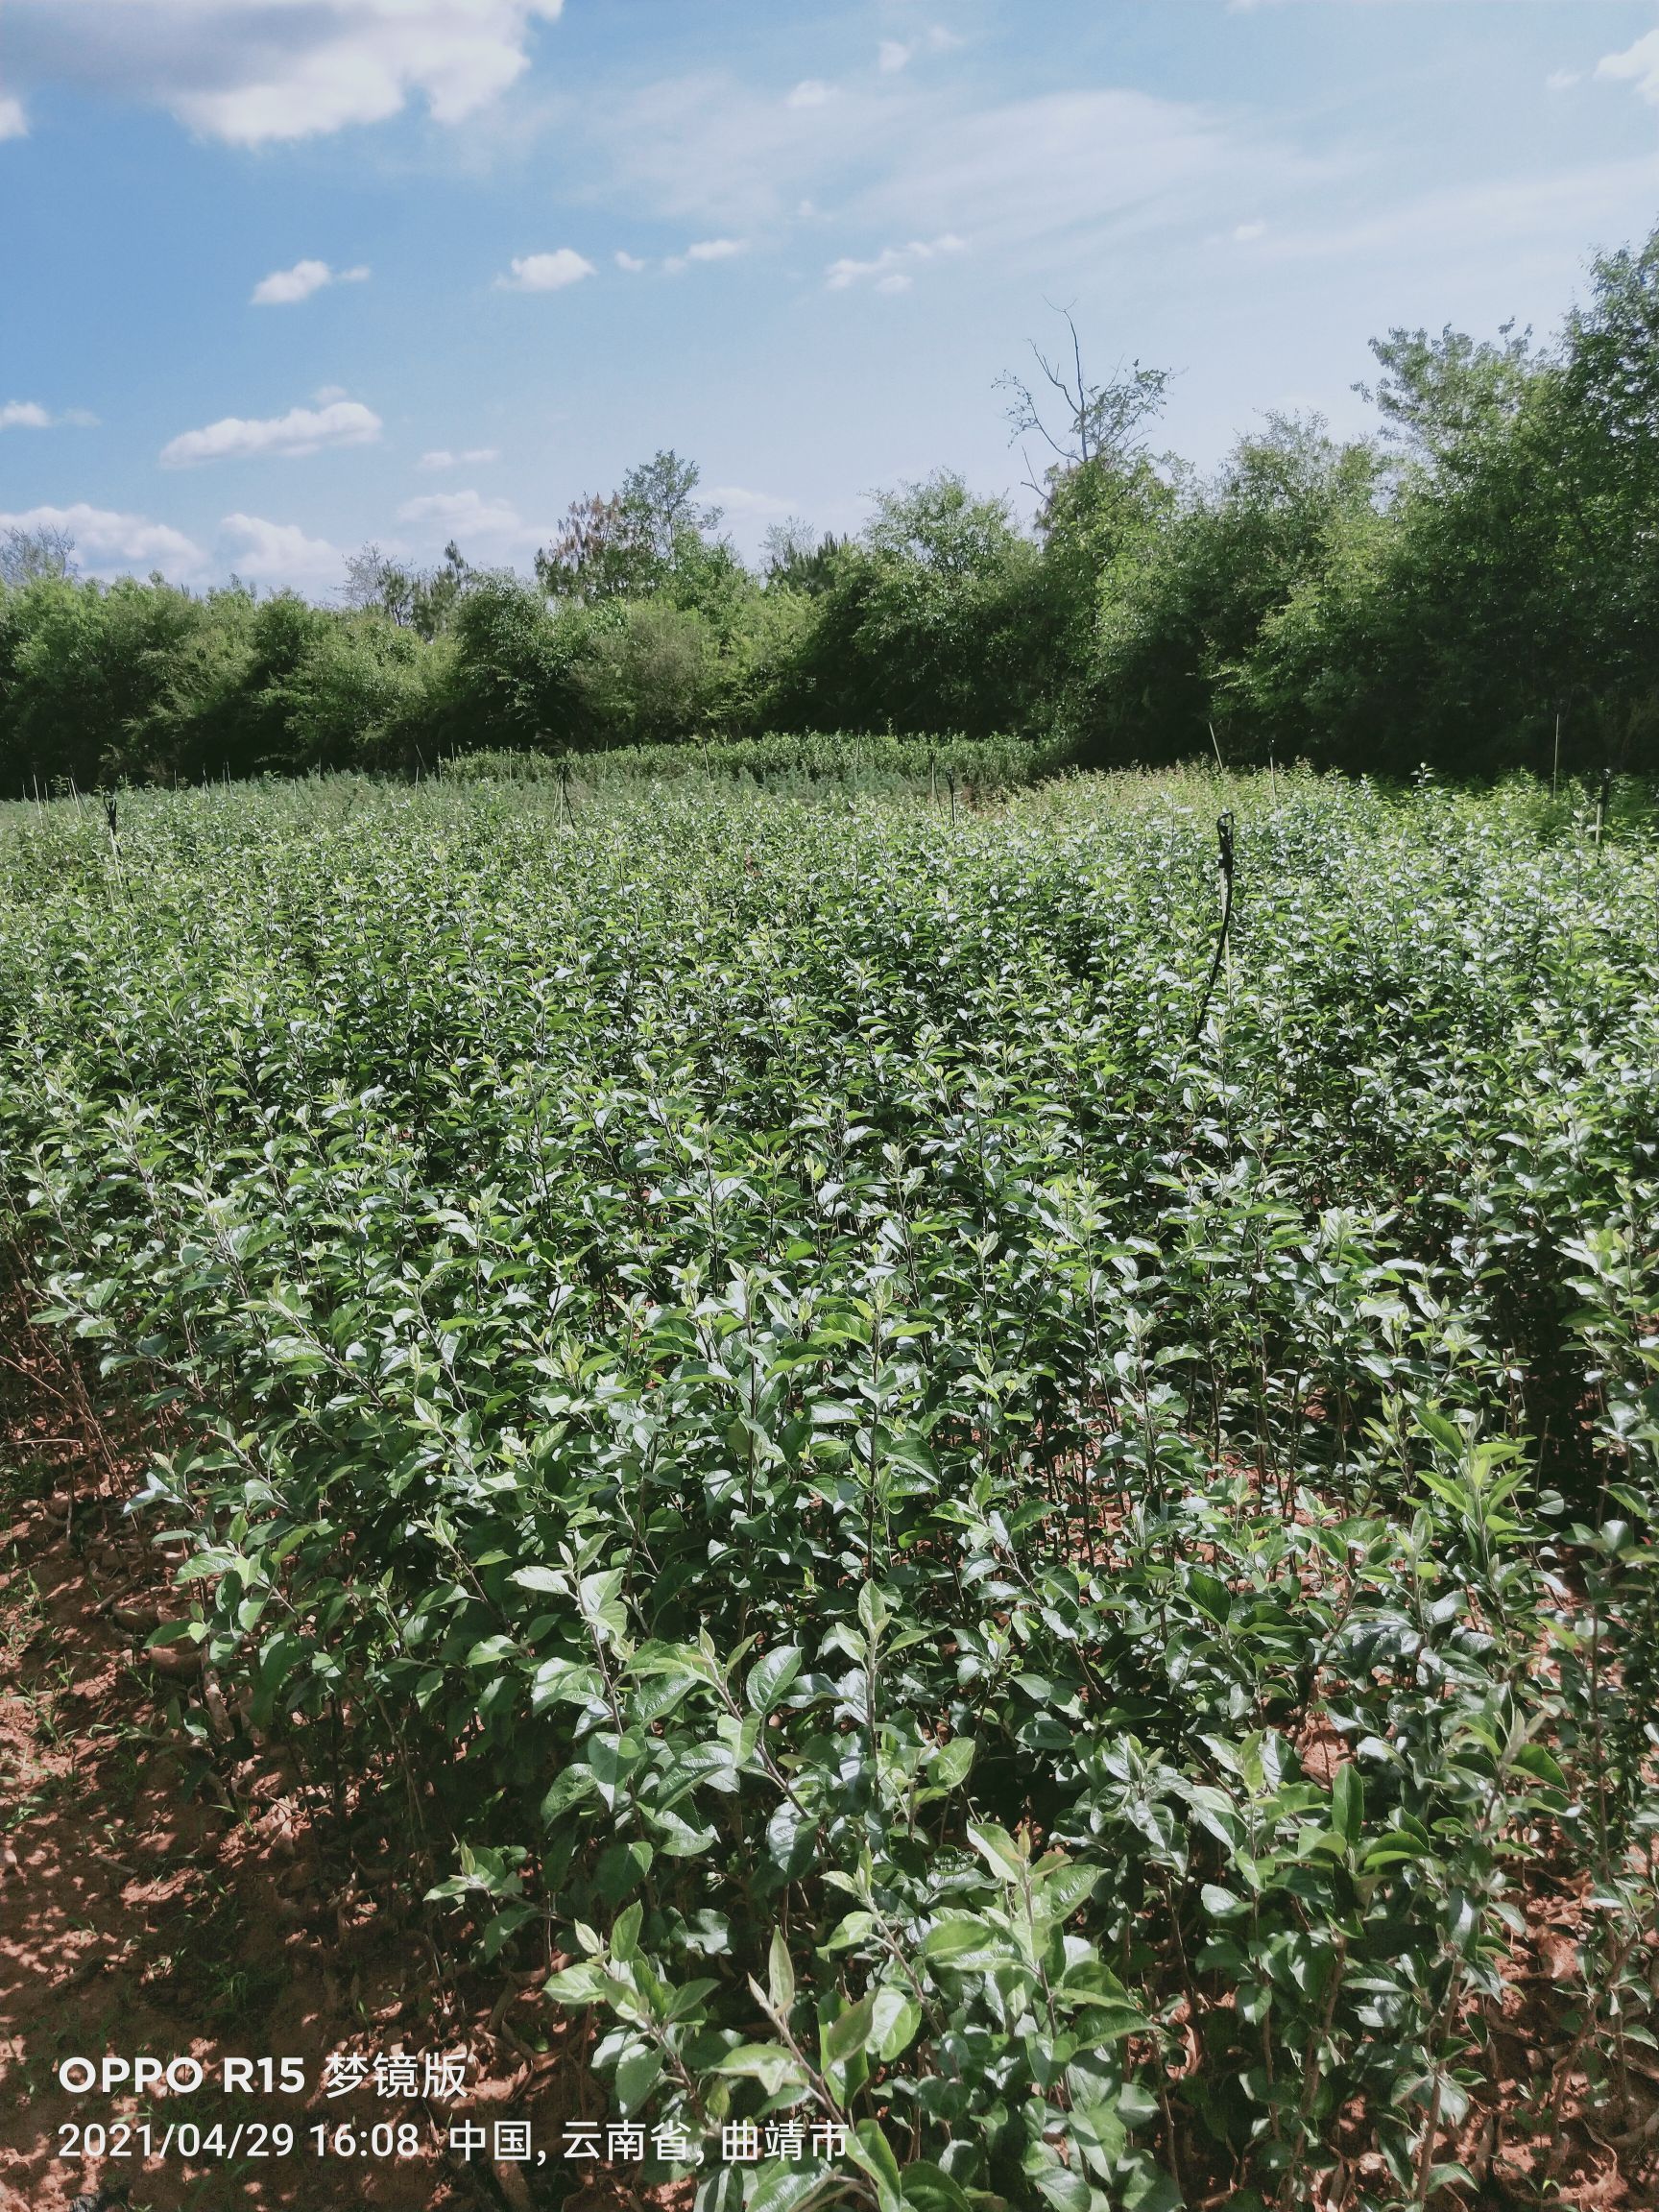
978	1550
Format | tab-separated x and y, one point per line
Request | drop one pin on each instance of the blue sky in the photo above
281	277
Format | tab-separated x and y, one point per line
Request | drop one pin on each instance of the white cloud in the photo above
1054	180
468	511
1531	220
546	272
895	54
1639	63
278	554
632	263
749	514
471	519
252	71
892	269
109	544
1071	170
29	414
708	150
1246	231
442	458
302	430
14	123
1563	79
706	249
284	286
811	92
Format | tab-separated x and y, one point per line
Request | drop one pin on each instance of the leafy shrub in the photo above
984	1574
787	762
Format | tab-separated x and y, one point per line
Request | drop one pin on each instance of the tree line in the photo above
1474	586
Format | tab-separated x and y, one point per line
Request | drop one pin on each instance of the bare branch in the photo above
1101	423
36	555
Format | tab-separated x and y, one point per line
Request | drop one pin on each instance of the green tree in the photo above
1099	493
223	707
646	670
638	541
512	677
936	620
83	667
419	599
1506	590
1183	606
368	694
797	558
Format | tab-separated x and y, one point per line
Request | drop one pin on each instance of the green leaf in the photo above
948	1767
655	1700
771	1676
1065	1889
895	2018
791	1839
1439	1430
580	1985
999	1850
873	1613
676	1838
568	1789
855	1928
689	1996
505	1923
928	2188
1104	2021
772	2064
546	1578
1348	1802
782	2184
849	2032
965	1944
1098	2133
1062	2187
1146	2190
1533	1759
867	2147
1211	1595
780	1975
622	1868
1396	1848
636	2077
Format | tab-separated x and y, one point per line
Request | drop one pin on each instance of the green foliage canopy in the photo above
1471	585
